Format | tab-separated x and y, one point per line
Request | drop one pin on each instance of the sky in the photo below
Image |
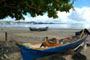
81	14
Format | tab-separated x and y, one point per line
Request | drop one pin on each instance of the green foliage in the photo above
18	8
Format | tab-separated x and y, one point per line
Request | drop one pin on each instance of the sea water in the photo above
61	25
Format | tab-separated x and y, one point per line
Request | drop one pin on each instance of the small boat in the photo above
38	29
30	53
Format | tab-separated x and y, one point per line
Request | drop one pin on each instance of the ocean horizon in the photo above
57	26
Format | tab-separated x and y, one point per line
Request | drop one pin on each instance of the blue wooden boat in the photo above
30	53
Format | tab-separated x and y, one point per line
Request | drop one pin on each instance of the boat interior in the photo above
54	42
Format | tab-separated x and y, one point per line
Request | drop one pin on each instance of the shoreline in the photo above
26	34
27	29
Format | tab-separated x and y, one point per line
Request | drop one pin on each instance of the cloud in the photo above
8	19
79	15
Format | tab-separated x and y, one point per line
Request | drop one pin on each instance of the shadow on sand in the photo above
79	56
52	58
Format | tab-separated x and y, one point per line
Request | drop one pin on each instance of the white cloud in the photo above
8	19
79	15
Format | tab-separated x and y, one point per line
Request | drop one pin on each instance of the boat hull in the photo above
39	29
30	54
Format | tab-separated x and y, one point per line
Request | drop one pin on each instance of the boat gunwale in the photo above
57	46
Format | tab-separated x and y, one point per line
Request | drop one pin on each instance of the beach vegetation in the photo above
18	8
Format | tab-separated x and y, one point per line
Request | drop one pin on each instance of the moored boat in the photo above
38	29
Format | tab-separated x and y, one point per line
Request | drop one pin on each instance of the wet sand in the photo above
25	35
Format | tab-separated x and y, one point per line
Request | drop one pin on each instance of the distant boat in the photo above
29	53
38	29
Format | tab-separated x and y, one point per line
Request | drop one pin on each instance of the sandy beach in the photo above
25	35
